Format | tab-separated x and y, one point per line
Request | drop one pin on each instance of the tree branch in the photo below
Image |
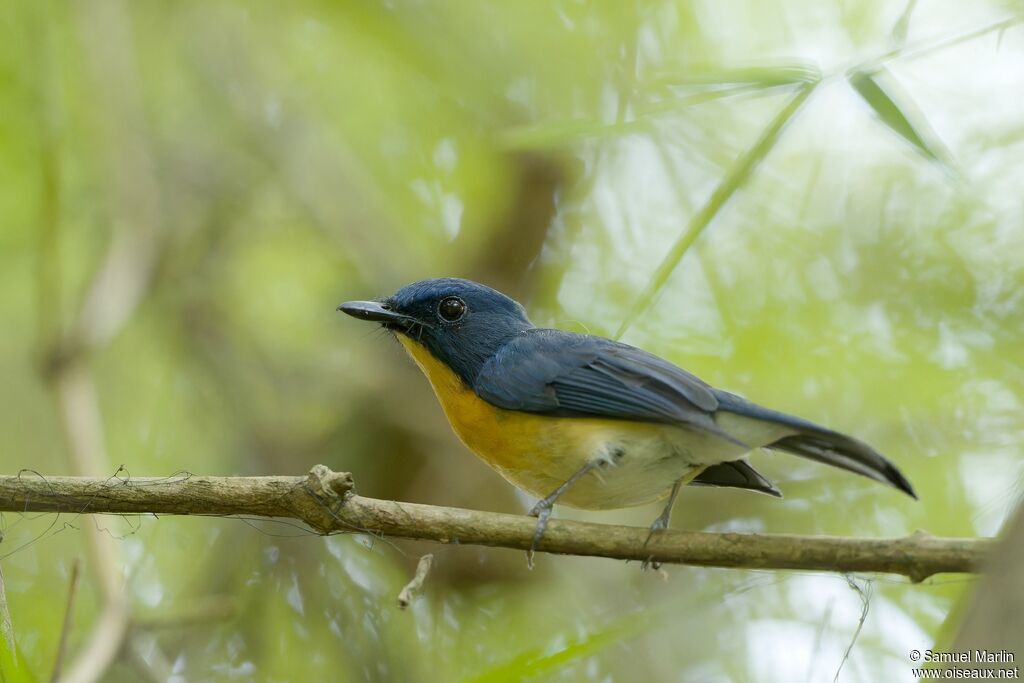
326	501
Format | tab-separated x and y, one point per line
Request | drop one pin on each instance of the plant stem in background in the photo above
733	180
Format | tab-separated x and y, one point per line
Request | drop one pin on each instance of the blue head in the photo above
461	322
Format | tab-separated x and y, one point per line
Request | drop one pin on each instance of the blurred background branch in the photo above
993	611
114	291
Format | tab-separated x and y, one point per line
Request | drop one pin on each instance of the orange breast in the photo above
510	441
538	453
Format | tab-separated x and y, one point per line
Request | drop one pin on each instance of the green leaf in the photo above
540	661
696	87
902	26
885	101
12	668
761	76
733	180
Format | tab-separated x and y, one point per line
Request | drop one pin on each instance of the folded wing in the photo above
572	375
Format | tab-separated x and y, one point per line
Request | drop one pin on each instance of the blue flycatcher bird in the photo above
586	421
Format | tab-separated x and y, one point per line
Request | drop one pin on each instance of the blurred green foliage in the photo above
815	204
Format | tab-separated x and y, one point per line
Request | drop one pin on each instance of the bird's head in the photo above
460	322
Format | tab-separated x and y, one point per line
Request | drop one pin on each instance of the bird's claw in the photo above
650	563
657	526
542	513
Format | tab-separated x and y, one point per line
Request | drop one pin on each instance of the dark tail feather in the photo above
846	453
737	474
818	443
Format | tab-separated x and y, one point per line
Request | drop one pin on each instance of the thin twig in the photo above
926	47
325	501
65	629
865	604
412	589
6	627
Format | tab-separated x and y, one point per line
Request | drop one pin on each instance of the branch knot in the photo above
322	481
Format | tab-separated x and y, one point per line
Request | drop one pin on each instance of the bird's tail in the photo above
817	443
838	450
737	474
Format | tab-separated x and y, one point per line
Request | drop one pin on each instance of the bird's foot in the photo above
658	526
542	511
650	563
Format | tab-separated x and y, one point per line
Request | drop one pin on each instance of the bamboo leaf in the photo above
540	661
883	100
557	134
732	181
697	87
761	76
902	26
12	669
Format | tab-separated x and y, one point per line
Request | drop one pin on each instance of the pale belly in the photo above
638	462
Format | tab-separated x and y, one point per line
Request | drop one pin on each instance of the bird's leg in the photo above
661	523
542	510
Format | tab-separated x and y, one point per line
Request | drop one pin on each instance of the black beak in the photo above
375	312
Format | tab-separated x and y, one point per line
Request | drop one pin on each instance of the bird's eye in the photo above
451	308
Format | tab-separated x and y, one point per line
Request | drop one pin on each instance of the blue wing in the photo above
561	373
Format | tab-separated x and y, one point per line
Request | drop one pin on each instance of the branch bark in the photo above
326	501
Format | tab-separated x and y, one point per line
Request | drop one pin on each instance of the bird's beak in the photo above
375	312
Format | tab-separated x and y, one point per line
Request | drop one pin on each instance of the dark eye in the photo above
451	308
